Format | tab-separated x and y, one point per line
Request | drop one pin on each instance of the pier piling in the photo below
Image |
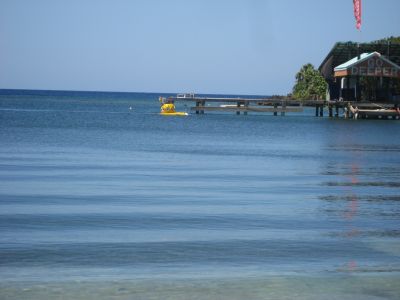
283	108
238	111
330	111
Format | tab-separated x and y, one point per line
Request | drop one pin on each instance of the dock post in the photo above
348	111
275	109
203	103
330	111
345	112
283	108
316	110
246	105
197	105
238	105
336	111
321	110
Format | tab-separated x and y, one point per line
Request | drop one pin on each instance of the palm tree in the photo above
309	84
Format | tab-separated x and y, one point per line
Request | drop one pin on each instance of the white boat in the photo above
185	96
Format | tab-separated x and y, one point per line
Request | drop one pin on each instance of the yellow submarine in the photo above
168	109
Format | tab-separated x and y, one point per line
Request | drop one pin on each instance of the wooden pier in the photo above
241	105
346	109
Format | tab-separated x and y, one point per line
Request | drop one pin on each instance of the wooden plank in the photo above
212	99
379	112
248	109
260	101
275	101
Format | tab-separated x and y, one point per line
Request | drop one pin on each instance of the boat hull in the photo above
176	114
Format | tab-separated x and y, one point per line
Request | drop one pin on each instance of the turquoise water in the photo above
101	197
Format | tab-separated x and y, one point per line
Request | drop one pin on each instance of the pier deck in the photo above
283	106
242	105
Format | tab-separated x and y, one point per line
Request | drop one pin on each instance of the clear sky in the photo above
202	46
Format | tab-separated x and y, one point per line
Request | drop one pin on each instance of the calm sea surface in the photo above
102	198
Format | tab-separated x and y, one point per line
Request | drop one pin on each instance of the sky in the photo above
252	47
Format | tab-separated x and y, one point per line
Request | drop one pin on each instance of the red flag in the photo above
357	13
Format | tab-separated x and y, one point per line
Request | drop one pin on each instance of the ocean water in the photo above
103	198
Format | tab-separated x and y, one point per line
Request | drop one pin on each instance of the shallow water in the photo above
100	197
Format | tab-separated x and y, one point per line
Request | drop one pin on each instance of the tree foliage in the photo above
391	39
309	84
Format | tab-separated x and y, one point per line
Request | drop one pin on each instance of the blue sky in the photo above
202	46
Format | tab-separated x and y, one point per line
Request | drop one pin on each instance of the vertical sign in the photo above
357	13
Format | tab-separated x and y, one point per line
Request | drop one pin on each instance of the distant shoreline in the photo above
71	92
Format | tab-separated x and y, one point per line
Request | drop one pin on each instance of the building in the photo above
367	72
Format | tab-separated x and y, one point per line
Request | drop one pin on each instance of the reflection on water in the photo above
363	192
360	148
351	212
367	198
390	233
366	184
